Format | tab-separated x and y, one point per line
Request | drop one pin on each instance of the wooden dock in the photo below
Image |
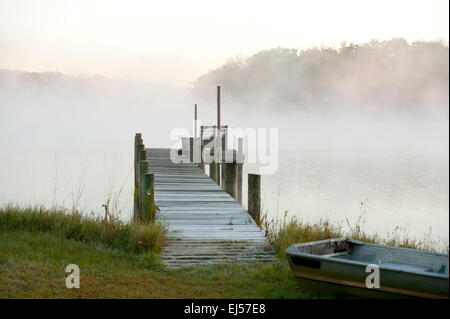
205	224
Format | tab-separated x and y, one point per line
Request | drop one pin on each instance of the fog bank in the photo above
68	141
376	78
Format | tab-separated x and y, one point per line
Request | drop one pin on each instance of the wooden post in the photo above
239	183
191	149
240	166
218	108
195	121
230	178
218	157
137	142
142	155
197	156
148	197
214	172
185	145
223	148
254	197
140	148
137	205
202	164
143	168
217	151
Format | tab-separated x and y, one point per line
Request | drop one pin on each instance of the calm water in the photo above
407	188
404	189
78	152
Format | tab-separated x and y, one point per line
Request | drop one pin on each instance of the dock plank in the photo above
205	224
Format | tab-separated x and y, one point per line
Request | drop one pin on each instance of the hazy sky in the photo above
173	42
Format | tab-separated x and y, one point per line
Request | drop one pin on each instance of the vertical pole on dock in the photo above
137	211
214	171
202	164
254	197
223	149
185	145
137	142
218	107
218	149
214	168
201	135
143	167
195	121
148	197
196	158
229	180
140	148
240	164
191	149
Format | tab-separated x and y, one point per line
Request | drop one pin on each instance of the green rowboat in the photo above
346	266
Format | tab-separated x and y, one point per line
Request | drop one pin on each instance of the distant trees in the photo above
381	75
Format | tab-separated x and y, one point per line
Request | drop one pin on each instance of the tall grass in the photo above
109	231
290	230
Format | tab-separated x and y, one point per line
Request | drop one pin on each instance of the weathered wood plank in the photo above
205	224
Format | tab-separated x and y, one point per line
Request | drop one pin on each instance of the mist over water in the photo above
397	168
364	123
68	141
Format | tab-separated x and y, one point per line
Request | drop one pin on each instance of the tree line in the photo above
377	75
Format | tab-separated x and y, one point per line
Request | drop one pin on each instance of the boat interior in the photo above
395	258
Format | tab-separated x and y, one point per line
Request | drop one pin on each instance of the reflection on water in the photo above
402	189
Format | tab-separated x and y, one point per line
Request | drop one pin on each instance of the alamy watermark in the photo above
73	279
373	279
259	146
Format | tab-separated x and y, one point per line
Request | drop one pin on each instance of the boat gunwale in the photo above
289	252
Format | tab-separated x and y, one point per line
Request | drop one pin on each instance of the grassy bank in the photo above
108	231
120	260
116	260
32	265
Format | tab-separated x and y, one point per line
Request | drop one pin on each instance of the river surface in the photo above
406	188
79	153
403	190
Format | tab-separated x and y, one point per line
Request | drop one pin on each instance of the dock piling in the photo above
254	197
137	142
240	164
214	172
202	164
230	178
191	149
148	198
137	205
143	168
144	202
